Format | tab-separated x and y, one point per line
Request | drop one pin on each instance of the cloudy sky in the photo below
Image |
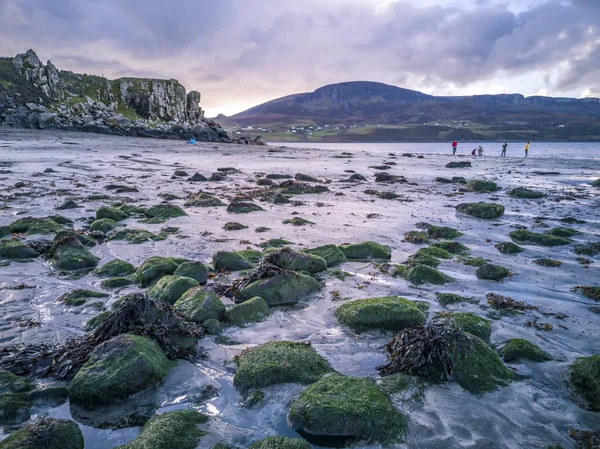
239	53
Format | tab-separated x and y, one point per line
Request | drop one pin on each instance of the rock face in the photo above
38	96
46	433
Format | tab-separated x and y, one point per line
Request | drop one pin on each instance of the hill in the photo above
369	111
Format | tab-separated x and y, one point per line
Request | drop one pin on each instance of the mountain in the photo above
34	95
369	111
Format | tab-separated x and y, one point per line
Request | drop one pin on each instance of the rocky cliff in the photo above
34	95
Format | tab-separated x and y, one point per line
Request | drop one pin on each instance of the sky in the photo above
240	53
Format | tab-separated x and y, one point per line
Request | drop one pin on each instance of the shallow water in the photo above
532	413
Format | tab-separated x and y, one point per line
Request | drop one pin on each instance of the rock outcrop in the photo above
38	96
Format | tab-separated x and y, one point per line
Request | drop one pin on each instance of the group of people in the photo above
479	150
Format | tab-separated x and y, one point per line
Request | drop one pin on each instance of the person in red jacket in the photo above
454	145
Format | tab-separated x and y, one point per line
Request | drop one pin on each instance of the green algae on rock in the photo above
419	274
35	226
525	236
104	225
15	408
199	305
79	297
93	323
446	299
236	260
596	183
367	251
589	292
154	268
479	185
584	377
9	383
563	232
114	268
522	192
118	368
47	433
68	254
203	199
481	210
280	443
416	237
171	430
278	362
116	283
548	263
298	221
492	272
170	288
275	243
164	211
243	207
194	270
472	261
254	310
387	313
340	410
136	236
283	288
14	249
508	248
452	247
332	254
288	259
111	213
471	323
517	349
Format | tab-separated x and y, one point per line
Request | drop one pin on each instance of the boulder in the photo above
460	164
115	268
275	243
522	192
154	268
118	368
136	236
446	299
278	362
197	177
563	232
387	313
508	248
419	274
194	270
68	254
9	383
254	310
416	237
170	430
199	305
14	249
533	238
242	207
517	349
84	239
332	254
15	408
170	288
35	226
284	288
339	410
583	376
236	260
288	259
280	443
471	323
67	204
481	210
452	247
116	283
111	213
492	272
478	185
164	211
79	297
439	232
46	433
366	251
203	199
104	225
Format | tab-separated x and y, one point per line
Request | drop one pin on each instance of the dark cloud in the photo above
246	51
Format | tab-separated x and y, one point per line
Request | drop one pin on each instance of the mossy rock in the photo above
70	255
525	236
241	207
332	254
416	237
115	268
367	251
452	247
426	254
194	270
111	213
596	183
278	362
508	248
471	323
288	259
104	225
171	430
442	232
589	292
285	288
481	210
203	199
254	310
9	383
83	239
446	299
563	232
517	349
280	443
479	369
492	272
116	283
93	323
584	378
298	221
4	231
15	408
14	249
548	263
236	260
79	297
479	185
339	410
419	274
50	396
47	433
170	288
262	229
387	313
522	192
136	236
473	261
424	259
213	327
154	268
35	226
199	305
164	212
118	368
275	243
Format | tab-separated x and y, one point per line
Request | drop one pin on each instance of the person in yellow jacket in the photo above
526	149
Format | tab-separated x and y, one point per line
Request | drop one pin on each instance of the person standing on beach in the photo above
504	149
454	145
526	149
474	152
480	150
